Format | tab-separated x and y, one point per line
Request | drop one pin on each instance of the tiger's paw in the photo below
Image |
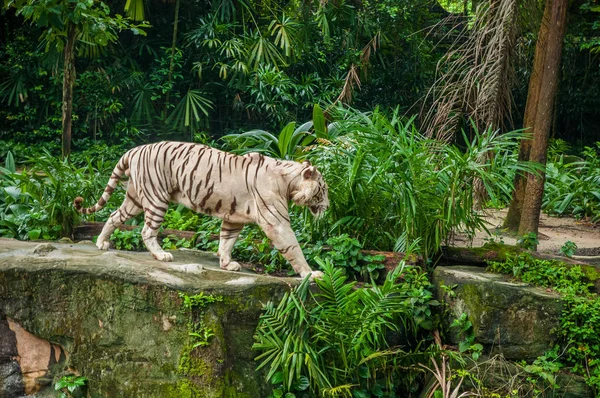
103	244
232	266
163	256
313	275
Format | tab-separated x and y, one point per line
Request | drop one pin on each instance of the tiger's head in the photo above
311	191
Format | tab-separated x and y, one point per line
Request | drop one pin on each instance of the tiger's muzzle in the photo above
317	210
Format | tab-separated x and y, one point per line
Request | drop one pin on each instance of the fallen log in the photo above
493	252
88	230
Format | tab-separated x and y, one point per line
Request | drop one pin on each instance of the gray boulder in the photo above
513	319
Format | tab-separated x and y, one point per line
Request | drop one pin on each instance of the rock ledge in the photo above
118	318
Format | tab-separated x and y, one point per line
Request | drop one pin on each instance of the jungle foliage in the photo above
230	66
332	343
336	82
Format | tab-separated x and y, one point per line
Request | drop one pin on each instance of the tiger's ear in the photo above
306	162
309	173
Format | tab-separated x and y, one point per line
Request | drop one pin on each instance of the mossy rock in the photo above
120	319
514	319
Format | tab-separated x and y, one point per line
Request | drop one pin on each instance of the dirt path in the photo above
553	233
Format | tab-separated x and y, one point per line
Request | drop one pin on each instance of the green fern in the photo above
336	337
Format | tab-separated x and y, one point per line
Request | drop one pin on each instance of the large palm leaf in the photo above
134	9
262	52
188	112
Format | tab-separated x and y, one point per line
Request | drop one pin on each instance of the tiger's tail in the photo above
120	169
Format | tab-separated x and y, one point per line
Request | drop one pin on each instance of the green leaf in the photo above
319	122
13	192
360	394
277	378
285	140
565	203
377	390
278	393
364	372
9	163
464	346
34	234
302	384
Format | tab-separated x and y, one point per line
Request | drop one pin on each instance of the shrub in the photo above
391	187
334	340
38	202
573	185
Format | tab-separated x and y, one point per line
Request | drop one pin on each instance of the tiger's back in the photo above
206	180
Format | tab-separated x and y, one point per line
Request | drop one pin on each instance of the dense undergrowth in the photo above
573	182
334	342
37	194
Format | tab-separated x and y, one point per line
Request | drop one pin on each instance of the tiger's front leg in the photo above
228	236
149	235
285	241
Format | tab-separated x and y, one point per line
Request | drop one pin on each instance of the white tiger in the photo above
252	188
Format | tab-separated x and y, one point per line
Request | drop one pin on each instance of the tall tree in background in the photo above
67	22
524	212
474	83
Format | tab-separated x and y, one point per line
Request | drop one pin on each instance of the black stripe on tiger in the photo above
233	206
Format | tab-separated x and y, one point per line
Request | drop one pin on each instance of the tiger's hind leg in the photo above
128	209
228	236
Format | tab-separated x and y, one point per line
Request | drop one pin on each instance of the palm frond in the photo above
262	52
284	31
134	9
187	113
476	73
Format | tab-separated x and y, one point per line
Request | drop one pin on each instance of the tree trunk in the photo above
549	73
68	83
513	218
173	48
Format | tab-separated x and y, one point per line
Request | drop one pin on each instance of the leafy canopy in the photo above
91	18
